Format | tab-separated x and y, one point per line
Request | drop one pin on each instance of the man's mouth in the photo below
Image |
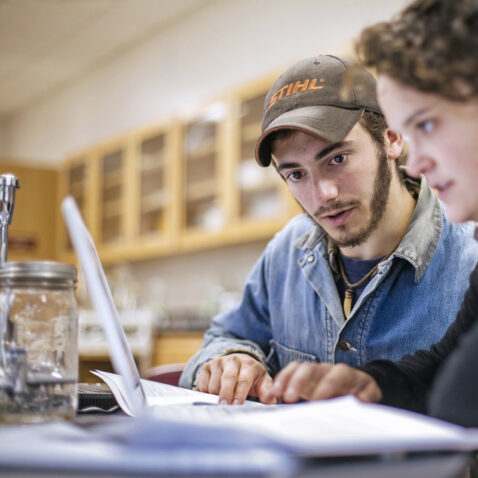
336	219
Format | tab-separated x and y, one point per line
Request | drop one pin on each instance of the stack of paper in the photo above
338	427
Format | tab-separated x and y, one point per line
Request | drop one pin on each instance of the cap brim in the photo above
327	123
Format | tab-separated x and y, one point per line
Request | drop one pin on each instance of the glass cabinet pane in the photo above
112	190
153	192
200	155
260	197
77	184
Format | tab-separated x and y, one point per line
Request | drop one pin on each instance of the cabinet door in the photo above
259	188
201	153
75	181
263	198
112	195
31	234
154	190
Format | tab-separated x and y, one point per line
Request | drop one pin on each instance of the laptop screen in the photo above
102	300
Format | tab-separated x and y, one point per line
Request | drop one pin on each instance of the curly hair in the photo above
432	46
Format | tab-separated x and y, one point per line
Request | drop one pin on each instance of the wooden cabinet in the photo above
176	346
78	178
32	234
154	198
113	193
181	185
200	156
263	203
154	191
259	188
203	159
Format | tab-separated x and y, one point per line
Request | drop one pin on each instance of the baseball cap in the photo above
323	96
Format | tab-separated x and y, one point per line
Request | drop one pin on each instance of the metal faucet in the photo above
8	184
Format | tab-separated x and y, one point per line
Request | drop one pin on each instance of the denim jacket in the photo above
291	310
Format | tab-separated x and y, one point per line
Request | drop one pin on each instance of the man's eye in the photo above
339	159
426	126
294	176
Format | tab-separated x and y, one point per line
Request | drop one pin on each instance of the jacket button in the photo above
344	345
310	258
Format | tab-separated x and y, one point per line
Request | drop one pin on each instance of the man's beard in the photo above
378	203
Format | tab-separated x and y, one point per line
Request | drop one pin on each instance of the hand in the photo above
233	377
318	381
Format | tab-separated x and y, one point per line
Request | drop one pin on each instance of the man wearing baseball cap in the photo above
372	269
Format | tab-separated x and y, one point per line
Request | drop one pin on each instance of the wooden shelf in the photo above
154	201
200	190
206	149
111	209
251	132
267	184
157	165
112	180
77	190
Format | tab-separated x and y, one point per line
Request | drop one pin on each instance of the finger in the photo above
229	378
264	389
283	377
203	379
340	380
248	375
215	370
371	393
304	380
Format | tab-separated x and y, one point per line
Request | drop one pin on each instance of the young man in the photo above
372	270
428	88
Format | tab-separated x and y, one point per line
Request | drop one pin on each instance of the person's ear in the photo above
393	144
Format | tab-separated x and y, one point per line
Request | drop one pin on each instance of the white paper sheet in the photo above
338	427
157	394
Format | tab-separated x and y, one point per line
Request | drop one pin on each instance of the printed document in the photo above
337	427
157	393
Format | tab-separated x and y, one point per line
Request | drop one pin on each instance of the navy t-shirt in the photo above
355	270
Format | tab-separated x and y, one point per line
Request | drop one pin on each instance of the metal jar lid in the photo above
44	271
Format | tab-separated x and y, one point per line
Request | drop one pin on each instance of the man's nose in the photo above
326	190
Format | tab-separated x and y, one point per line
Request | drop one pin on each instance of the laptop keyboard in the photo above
95	397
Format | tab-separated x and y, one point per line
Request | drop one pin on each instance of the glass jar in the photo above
38	342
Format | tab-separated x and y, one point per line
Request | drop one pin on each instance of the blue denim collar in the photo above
417	246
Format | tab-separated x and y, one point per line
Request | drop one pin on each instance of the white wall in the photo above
225	45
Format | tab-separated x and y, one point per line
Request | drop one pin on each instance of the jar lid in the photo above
47	270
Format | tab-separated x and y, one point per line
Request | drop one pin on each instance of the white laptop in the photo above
102	300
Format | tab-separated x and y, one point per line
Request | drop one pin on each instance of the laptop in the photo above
102	300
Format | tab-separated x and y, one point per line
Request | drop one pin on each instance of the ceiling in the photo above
44	44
